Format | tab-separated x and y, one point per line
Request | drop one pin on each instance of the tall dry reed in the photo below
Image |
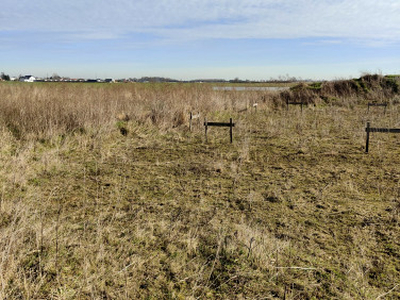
45	110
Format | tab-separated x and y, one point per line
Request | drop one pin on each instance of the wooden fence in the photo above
378	104
294	103
369	129
220	124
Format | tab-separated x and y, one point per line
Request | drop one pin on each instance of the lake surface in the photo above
250	88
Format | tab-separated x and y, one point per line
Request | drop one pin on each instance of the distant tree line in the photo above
280	79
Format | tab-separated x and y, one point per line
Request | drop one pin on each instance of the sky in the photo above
193	39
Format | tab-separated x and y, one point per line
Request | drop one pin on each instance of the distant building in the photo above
27	78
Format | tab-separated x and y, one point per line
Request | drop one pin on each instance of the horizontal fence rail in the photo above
369	129
387	130
378	104
220	124
294	103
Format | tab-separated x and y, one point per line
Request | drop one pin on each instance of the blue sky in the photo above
193	39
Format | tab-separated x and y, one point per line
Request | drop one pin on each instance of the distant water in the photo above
249	88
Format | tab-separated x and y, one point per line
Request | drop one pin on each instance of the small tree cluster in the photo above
5	77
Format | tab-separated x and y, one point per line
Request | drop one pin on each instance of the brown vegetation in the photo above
97	206
345	92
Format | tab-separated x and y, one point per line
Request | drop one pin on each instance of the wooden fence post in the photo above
190	121
206	127
231	126
367	140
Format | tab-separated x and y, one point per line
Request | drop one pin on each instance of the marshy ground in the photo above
293	209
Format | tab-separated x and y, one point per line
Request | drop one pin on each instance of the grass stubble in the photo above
100	207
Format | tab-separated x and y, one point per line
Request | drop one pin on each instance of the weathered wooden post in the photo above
367	140
191	118
206	127
231	131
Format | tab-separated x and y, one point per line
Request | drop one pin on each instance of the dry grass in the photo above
95	205
45	111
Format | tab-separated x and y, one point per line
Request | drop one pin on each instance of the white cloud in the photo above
198	19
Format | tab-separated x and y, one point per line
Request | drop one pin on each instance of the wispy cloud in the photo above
204	19
249	38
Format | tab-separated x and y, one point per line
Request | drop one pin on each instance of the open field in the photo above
100	207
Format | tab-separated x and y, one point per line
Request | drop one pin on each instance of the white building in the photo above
27	78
